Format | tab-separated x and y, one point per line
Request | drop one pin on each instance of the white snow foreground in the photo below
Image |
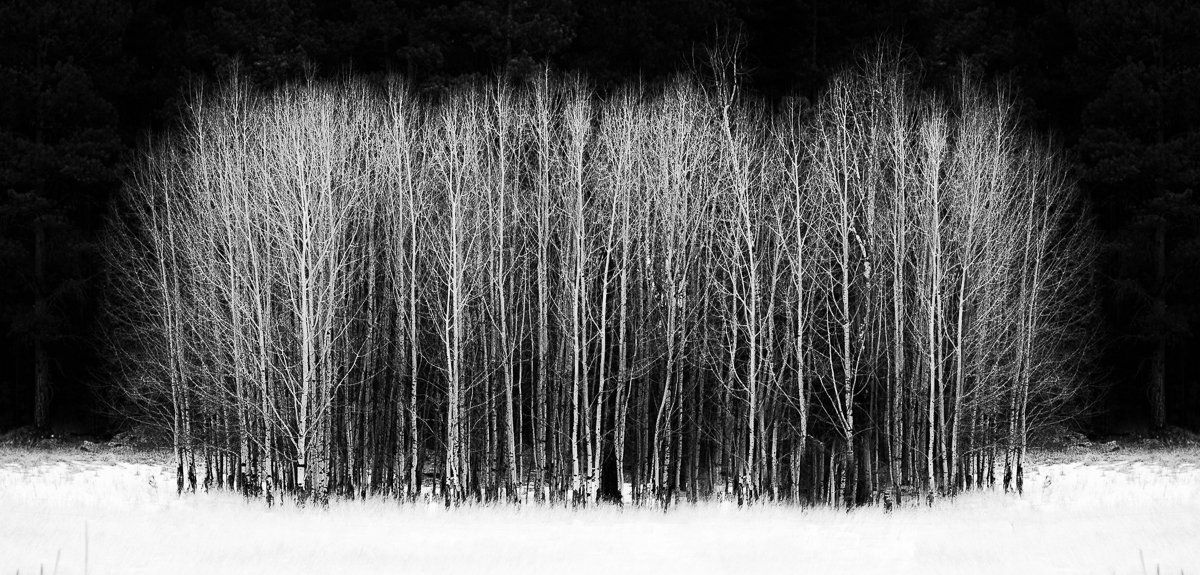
1131	512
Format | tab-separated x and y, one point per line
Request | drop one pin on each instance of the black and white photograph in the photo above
599	286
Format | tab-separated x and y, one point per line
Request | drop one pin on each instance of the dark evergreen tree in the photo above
61	64
1139	149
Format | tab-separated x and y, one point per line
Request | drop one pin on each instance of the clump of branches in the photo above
535	292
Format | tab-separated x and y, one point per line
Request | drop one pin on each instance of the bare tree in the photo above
340	289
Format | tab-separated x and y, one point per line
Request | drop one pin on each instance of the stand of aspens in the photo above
534	293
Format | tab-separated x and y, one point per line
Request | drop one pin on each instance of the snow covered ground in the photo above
67	511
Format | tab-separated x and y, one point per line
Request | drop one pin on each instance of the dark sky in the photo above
1113	82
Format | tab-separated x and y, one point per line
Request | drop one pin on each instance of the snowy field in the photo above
64	511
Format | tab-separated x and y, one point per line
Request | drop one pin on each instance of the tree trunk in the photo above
1158	358
41	357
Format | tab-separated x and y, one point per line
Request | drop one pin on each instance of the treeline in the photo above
535	292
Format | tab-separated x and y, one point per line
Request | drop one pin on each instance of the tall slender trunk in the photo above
414	438
621	405
845	474
41	356
1158	357
959	384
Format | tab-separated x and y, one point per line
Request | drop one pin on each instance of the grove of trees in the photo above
535	291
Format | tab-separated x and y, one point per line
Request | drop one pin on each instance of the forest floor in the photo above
77	507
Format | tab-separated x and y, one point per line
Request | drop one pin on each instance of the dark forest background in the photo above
84	82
